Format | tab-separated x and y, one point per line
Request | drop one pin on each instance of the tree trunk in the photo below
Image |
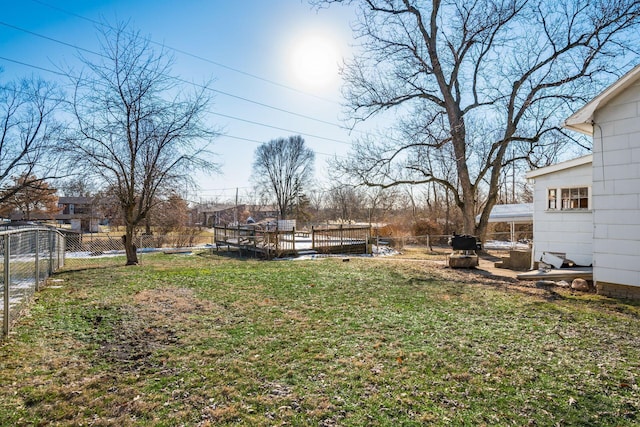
468	215
494	188
129	246
147	226
458	136
447	208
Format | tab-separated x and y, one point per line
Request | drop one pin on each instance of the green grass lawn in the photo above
207	340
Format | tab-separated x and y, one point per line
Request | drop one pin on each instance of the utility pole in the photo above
235	212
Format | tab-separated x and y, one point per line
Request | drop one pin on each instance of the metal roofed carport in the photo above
515	213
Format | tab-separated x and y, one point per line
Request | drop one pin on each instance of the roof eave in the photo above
560	166
585	127
582	120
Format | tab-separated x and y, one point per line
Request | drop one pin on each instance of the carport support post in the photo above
7	281
512	228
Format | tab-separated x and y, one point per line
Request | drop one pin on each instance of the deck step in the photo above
308	252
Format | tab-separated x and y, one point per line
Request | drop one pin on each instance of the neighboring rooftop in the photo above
515	212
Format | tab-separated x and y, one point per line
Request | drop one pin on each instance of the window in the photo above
575	198
568	198
551	199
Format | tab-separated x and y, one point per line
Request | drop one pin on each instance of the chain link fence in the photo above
107	249
438	245
29	255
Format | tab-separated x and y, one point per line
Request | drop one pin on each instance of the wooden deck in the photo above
254	241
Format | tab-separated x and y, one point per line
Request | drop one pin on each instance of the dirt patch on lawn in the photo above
176	304
155	320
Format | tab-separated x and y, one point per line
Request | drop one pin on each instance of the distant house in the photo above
264	212
81	213
612	200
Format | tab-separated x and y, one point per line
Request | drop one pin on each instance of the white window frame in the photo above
552	201
559	202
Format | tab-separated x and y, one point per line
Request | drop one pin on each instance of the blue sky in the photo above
257	37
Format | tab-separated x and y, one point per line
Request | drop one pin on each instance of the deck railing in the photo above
270	243
347	239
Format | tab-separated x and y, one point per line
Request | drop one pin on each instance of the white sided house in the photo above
562	211
594	201
613	120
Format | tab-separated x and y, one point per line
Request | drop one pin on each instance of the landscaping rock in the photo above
580	285
563	284
545	283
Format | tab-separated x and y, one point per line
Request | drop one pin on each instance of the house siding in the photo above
616	198
569	232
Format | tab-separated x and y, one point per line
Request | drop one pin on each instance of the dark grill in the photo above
464	242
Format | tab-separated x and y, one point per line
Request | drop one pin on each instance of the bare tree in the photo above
29	195
478	85
171	214
282	168
29	132
317	203
381	202
138	130
76	187
347	202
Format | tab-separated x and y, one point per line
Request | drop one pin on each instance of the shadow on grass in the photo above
235	254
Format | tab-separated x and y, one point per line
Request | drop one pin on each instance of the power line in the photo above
60	73
201	58
226	189
218	114
231	95
42	36
262	142
279	128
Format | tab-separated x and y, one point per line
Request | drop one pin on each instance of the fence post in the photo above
62	242
54	256
7	282
366	241
293	239
255	243
313	239
37	261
